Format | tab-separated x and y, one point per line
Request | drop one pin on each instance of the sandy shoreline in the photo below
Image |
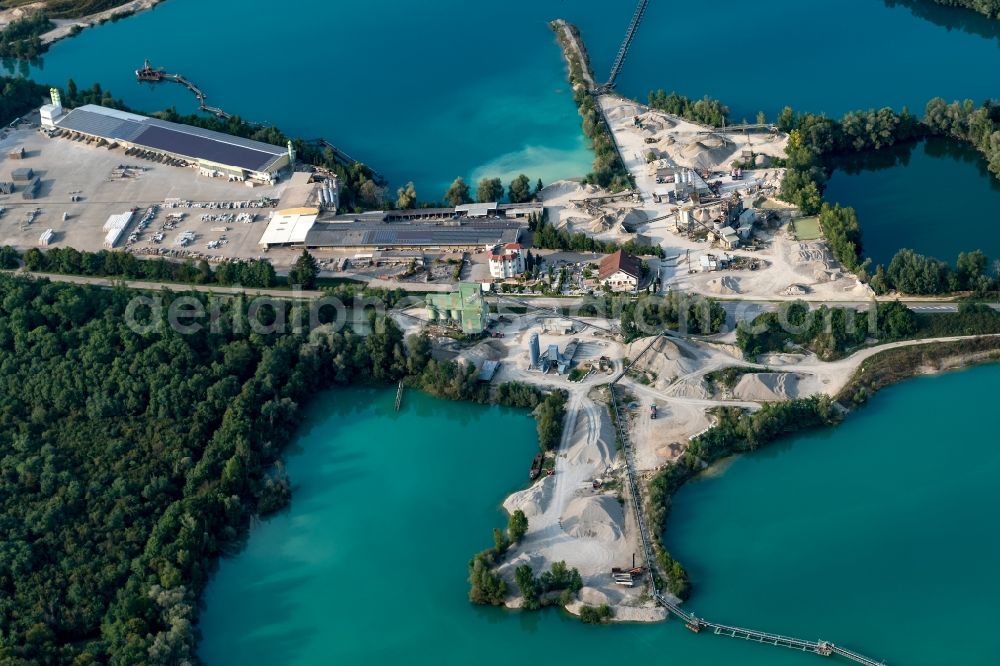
591	526
64	27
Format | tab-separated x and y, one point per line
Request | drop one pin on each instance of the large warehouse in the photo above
444	229
473	235
212	151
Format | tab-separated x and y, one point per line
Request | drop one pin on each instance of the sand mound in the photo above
485	351
796	290
690	389
693	149
534	500
781	359
593	597
768	386
633	219
726	285
709	153
562	188
666	360
598	517
569	221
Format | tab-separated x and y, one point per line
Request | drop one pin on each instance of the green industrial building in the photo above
465	307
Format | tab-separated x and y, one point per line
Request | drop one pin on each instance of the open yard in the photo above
807	229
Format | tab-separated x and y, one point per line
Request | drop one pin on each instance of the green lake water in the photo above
935	197
432	91
880	534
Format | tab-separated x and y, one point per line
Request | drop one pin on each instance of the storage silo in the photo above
534	350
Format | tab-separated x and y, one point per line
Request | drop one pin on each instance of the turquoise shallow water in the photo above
431	91
879	534
936	198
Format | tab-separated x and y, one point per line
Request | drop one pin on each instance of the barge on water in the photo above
149	73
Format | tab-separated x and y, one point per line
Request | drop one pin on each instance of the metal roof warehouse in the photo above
381	235
208	148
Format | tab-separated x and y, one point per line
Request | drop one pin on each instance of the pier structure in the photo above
150	74
691	621
633	28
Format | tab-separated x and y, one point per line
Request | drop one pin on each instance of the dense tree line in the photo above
536	591
132	456
843	235
596	614
18	96
978	126
254	273
829	332
990	8
675	311
705	111
735	432
813	137
74	96
971	319
894	365
23	38
608	170
194	474
78	8
550	414
545	236
9	258
912	273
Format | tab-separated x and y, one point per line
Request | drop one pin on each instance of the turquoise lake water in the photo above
936	198
432	91
880	534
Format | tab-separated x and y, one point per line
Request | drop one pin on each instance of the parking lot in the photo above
82	185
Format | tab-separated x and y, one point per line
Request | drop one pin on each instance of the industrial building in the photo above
484	211
115	228
620	271
289	227
213	152
506	261
338	235
443	229
466	308
551	359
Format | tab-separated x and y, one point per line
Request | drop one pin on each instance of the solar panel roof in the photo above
192	142
211	150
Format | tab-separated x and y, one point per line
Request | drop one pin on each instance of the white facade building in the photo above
620	272
506	261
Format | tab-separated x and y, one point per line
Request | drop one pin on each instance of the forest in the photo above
675	311
832	333
18	97
828	332
132	457
253	273
22	38
706	111
813	137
